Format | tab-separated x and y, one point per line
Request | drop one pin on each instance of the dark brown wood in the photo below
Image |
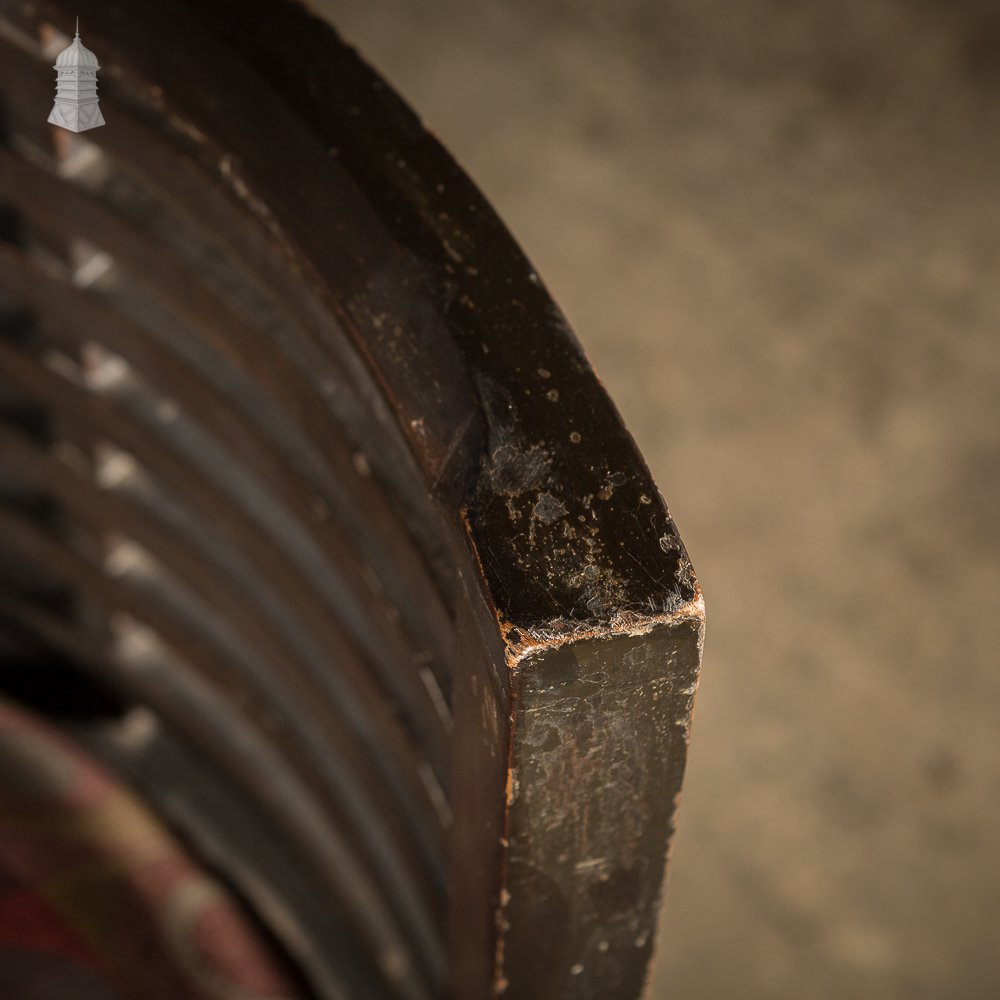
328	467
600	731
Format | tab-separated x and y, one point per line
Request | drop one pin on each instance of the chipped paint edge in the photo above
625	623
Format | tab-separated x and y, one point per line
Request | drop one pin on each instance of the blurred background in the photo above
776	229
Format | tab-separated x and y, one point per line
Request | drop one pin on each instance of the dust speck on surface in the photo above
549	508
669	543
515	470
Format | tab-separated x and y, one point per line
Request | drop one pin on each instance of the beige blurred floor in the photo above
776	228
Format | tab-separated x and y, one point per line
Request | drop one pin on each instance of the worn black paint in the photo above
494	526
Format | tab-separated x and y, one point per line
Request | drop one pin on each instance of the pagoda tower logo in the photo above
76	106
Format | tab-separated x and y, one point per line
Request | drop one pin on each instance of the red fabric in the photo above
97	899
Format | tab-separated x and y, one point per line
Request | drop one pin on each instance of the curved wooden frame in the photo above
406	467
